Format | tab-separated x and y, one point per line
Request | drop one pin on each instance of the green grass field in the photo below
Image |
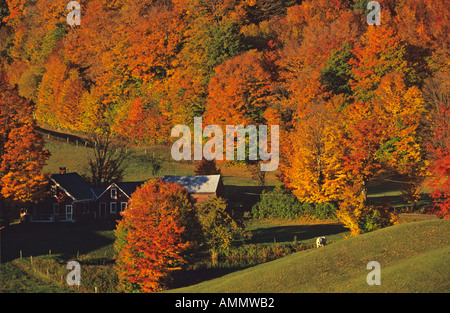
75	158
414	257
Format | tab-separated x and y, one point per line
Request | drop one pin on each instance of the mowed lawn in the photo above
414	257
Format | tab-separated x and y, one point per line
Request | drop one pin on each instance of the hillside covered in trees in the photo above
354	102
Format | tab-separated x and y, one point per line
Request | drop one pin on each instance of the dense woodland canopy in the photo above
354	102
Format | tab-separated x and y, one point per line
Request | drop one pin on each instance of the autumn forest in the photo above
355	103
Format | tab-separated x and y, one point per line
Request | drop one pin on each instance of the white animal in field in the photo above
321	241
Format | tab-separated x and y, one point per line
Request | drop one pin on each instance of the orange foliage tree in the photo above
239	92
22	154
143	123
378	52
157	236
59	96
311	161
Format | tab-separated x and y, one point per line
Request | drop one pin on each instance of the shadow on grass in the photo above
302	232
63	239
244	196
191	277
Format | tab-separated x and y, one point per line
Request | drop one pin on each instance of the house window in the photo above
123	206
69	212
113	193
55	208
112	207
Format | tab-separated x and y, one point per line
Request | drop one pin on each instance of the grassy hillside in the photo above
414	257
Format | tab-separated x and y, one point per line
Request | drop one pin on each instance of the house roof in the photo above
128	188
196	184
74	186
193	184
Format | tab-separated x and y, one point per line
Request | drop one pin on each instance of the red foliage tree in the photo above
437	95
205	167
144	123
155	236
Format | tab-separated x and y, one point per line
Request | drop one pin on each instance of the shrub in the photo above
376	218
323	211
219	228
279	203
252	254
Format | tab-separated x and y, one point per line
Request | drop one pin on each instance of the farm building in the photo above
70	198
201	187
114	199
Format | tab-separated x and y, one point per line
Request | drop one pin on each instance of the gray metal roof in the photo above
195	184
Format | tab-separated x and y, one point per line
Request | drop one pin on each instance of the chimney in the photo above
62	170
